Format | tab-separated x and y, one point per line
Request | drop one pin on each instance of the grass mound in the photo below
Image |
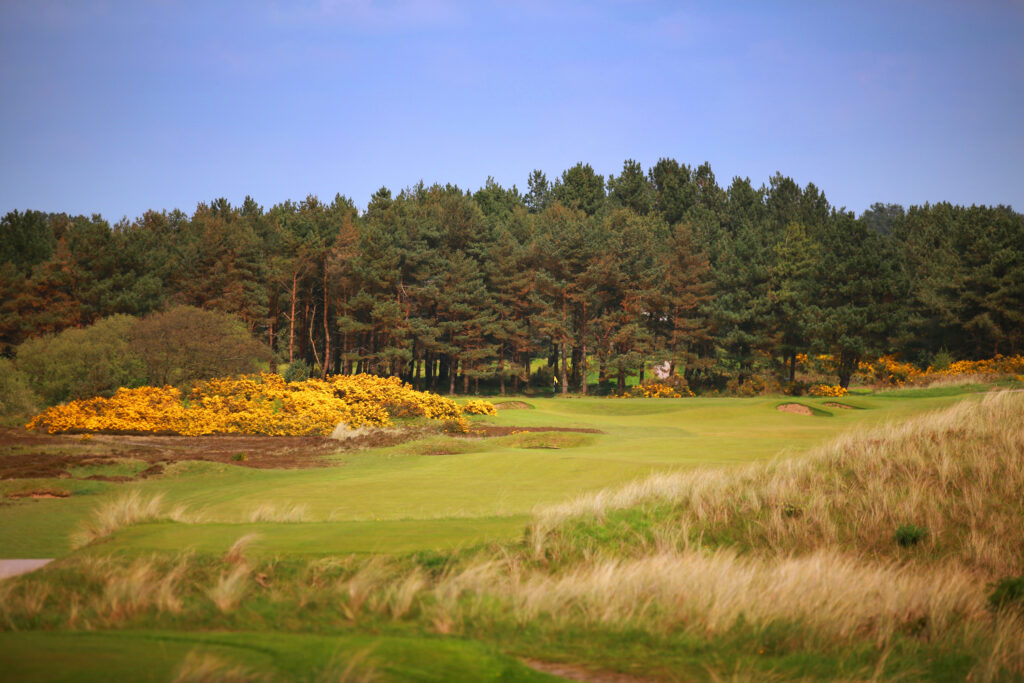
959	473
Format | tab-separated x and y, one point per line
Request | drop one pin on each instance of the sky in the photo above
119	107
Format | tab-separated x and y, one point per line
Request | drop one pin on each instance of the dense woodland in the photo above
449	288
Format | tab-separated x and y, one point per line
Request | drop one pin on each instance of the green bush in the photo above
909	535
81	363
17	400
187	344
1008	592
297	371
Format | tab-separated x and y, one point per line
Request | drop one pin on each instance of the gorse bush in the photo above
827	390
252	404
478	407
655	390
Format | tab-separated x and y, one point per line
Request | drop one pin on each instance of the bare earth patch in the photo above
25	455
29	455
794	408
578	673
41	493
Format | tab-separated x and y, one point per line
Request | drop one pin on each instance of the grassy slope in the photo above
496	480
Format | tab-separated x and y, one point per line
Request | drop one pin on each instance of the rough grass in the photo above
131	508
959	473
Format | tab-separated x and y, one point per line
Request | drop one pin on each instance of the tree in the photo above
25	239
82	362
631	190
580	188
856	302
186	344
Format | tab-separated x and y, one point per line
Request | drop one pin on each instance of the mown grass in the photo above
787	568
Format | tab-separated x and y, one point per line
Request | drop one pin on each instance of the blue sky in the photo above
118	107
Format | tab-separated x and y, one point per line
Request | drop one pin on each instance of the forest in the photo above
451	289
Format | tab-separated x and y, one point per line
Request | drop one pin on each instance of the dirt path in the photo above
10	568
573	672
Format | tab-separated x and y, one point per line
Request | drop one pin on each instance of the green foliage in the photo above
297	371
17	400
1007	593
452	289
187	344
908	535
81	363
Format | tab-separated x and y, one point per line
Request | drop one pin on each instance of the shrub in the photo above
826	390
458	425
297	371
1008	592
187	344
249	404
16	396
479	407
652	390
908	535
81	363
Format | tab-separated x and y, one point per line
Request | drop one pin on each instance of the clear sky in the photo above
118	107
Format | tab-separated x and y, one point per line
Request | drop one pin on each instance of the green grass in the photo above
500	477
155	656
444	495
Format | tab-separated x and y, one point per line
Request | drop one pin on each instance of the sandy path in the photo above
14	567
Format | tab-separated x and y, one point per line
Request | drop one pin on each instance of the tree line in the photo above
448	288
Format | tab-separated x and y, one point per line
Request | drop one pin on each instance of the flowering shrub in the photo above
888	371
479	407
653	390
250	404
458	425
827	390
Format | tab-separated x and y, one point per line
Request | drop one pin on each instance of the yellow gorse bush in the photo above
653	390
252	404
889	371
827	390
479	407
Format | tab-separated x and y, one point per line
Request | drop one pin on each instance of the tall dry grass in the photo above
131	508
204	667
958	472
268	512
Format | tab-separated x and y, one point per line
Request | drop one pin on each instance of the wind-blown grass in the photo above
958	473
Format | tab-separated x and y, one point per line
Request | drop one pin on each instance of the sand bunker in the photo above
795	408
843	406
512	405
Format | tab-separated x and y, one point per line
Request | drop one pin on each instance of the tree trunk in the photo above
291	318
452	365
583	369
501	370
327	331
565	370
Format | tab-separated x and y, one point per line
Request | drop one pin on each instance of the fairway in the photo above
397	500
